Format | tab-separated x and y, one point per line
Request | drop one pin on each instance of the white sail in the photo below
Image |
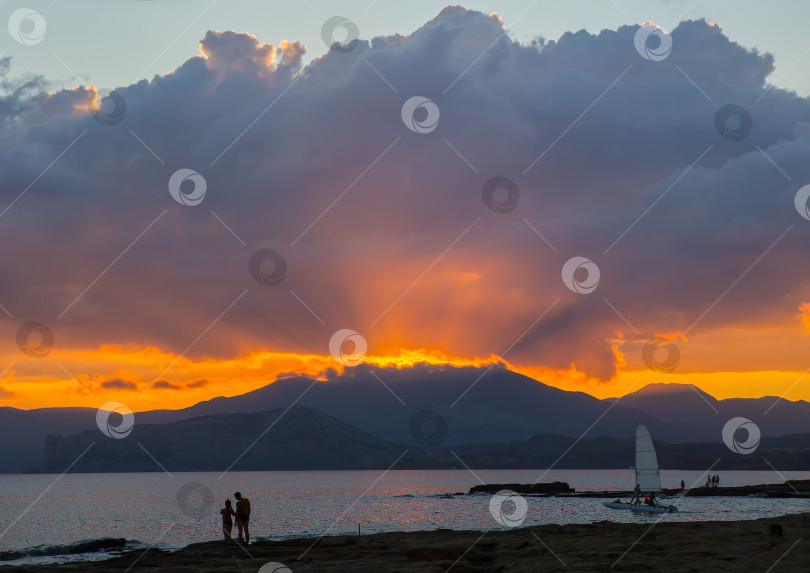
647	474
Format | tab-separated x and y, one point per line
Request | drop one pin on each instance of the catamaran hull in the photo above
640	508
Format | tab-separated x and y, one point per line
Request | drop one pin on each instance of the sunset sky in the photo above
697	236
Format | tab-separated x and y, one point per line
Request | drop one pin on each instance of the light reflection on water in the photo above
142	506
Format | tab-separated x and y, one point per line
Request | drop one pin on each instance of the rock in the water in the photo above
553	487
98	545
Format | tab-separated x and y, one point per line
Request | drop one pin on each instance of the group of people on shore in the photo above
242	515
713	481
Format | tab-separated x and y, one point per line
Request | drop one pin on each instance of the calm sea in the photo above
42	515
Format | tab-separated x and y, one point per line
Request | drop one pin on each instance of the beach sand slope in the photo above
603	547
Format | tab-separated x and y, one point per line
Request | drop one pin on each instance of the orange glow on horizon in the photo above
147	378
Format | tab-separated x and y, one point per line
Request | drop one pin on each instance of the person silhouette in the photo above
242	517
227	522
636	494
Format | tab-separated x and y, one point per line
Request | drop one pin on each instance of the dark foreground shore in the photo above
672	547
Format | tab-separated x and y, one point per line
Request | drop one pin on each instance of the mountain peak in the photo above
659	388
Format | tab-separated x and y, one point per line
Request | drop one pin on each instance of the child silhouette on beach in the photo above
227	523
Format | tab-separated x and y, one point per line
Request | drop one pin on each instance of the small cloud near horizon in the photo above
119	384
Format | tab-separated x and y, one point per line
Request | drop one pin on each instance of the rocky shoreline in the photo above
788	489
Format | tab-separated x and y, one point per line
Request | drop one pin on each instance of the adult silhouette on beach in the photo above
242	517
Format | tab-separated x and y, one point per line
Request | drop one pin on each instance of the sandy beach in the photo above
672	547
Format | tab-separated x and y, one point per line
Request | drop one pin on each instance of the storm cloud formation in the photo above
383	229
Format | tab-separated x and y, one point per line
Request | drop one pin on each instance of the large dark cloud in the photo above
299	139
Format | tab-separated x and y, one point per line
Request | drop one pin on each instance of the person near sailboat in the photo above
648	478
636	494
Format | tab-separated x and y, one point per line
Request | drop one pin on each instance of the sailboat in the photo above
647	475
